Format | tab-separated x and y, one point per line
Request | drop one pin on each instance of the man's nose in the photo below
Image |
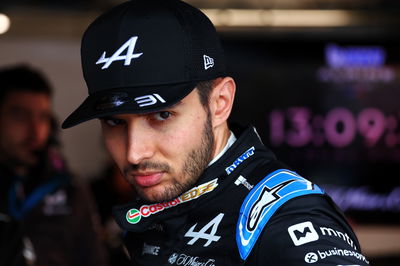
37	129
141	142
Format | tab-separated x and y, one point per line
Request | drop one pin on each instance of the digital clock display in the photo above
330	111
339	127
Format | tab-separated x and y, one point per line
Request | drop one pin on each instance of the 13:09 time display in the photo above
298	127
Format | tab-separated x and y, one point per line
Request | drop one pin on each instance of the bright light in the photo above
279	18
4	23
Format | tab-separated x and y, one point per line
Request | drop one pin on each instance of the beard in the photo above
20	158
194	165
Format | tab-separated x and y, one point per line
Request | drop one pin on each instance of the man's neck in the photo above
21	170
224	138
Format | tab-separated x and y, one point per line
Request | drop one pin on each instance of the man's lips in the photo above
147	179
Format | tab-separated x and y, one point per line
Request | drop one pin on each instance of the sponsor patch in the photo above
187	260
264	200
326	231
150	99
202	234
242	158
151	250
111	100
311	257
243	181
319	255
133	216
303	233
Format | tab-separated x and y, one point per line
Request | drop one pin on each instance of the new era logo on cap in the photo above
208	62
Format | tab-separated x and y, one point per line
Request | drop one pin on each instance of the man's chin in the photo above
155	194
27	161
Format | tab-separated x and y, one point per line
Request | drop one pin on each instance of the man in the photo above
210	194
45	218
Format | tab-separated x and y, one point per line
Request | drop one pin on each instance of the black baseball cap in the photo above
146	55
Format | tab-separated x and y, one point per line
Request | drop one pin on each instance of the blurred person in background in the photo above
112	183
46	218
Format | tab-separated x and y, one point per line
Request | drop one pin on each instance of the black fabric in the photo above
59	230
11	242
203	231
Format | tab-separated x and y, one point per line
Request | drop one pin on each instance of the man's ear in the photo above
221	100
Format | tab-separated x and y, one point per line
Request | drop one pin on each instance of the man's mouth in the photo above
147	179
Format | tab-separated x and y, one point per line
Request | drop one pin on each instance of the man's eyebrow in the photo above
175	105
106	117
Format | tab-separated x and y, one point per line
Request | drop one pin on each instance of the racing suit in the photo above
247	208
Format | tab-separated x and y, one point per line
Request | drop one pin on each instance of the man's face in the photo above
24	127
162	154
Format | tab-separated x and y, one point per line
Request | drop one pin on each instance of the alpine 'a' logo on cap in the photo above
118	56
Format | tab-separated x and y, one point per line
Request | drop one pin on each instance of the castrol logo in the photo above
134	216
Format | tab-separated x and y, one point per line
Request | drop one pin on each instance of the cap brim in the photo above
128	100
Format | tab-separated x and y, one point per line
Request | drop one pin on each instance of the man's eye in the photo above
112	122
161	116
